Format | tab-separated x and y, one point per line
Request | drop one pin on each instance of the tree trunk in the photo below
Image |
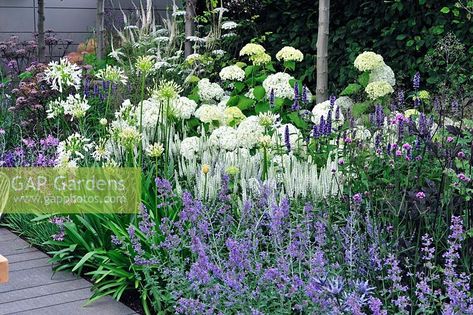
189	26
99	30
41	43
322	51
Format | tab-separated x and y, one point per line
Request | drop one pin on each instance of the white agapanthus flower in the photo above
268	119
190	147
251	49
76	106
295	135
63	74
224	138
383	73
232	73
279	83
218	52
249	132
209	91
378	89
55	109
100	152
183	107
229	25
74	147
322	109
112	74
368	61
289	53
209	113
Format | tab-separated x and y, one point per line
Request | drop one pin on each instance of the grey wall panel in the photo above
16	20
70	19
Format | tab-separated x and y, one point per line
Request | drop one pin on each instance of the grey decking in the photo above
33	289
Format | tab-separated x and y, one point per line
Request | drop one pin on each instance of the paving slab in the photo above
33	288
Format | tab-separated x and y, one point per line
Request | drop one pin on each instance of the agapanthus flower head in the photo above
103	121
265	141
144	64
368	61
129	137
268	119
289	53
167	90
113	74
63	74
155	150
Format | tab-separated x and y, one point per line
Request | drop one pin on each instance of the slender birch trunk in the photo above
41	43
189	26
99	29
322	51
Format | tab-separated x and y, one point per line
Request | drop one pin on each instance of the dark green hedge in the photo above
402	31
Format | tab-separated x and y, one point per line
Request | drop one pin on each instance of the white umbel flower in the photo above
76	106
232	73
368	61
279	83
229	25
289	53
112	74
63	74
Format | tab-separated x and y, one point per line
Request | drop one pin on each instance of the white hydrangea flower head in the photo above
183	107
251	49
249	132
63	74
151	113
209	91
279	83
383	73
224	138
289	53
361	133
322	109
233	116
368	61
229	25
192	58
232	73
344	102
209	113
295	135
190	147
378	89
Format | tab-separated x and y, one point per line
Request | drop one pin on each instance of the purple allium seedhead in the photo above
420	195
357	198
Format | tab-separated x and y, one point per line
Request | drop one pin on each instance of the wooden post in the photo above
3	269
189	26
41	43
99	29
322	51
